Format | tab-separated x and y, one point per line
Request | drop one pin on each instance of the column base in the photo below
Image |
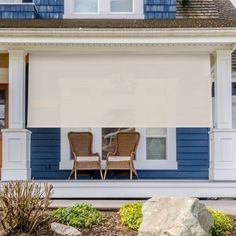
15	174
222	154
16	154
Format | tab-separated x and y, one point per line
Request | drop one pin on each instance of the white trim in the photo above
17	89
223	88
10	1
169	164
140	163
16	154
220	36
104	11
142	189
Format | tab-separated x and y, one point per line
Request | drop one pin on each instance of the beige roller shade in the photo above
119	90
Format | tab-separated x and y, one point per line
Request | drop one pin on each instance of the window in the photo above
121	5
156	149
156	144
86	6
10	1
117	9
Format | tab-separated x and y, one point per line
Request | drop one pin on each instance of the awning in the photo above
119	90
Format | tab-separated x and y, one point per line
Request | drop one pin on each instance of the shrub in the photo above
222	224
81	216
131	215
24	206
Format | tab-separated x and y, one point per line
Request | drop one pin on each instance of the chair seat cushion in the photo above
87	158
119	158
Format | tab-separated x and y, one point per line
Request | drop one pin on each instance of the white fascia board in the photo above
119	36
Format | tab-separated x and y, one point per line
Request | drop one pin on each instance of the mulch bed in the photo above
111	226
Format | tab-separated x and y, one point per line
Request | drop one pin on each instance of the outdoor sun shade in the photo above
119	90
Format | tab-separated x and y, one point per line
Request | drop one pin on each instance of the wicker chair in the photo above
81	147
125	150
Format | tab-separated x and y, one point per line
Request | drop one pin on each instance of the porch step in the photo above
227	206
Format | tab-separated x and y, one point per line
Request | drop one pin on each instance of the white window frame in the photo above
141	162
104	11
11	2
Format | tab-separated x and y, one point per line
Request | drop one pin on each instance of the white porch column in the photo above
16	139
222	136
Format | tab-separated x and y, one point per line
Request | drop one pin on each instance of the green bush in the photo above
131	215
222	223
81	216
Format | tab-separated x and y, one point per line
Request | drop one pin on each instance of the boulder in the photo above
175	217
64	230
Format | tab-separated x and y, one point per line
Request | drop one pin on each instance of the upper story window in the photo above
117	9
86	6
10	1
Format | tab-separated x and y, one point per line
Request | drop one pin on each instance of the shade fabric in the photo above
119	90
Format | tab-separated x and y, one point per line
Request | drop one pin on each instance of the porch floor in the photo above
227	206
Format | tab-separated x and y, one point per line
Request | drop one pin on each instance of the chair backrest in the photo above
81	143
126	143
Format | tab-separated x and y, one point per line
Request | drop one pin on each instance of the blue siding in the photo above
160	9
35	9
54	9
192	156
50	9
18	11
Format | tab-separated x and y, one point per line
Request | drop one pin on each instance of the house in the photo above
164	67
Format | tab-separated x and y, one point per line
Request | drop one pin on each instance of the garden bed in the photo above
111	226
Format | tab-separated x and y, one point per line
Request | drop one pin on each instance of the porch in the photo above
199	164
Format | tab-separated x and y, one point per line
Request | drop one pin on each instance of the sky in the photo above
234	2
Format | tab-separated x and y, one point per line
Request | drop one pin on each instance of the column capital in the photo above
222	52
18	52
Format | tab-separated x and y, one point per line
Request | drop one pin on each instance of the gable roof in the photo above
205	9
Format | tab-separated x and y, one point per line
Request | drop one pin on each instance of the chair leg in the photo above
101	174
105	174
71	173
131	174
135	172
75	173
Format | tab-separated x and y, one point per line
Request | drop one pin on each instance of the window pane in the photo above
121	5
86	6
156	148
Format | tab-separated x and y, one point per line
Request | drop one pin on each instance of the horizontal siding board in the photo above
192	156
192	149
192	143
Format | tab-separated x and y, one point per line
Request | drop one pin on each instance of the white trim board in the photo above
142	188
224	36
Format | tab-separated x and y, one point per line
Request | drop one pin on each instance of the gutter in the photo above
118	36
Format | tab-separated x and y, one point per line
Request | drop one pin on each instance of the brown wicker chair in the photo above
125	150
84	158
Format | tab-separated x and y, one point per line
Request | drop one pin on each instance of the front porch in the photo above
200	160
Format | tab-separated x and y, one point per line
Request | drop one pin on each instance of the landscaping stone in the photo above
175	217
65	230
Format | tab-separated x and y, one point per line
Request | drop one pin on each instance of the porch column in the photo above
16	139
222	136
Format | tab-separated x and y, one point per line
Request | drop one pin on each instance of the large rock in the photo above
65	230
175	217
